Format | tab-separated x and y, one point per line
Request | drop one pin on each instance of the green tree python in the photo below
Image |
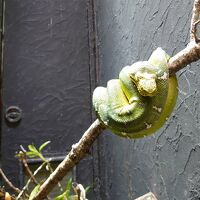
141	100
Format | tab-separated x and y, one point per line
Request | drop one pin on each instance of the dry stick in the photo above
29	181
17	190
188	55
23	158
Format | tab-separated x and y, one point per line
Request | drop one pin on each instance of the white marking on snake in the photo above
147	125
157	109
106	123
164	76
125	110
124	134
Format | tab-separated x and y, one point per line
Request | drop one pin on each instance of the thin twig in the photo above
194	31
17	190
29	181
194	20
23	158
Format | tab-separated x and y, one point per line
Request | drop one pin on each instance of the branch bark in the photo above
192	52
188	55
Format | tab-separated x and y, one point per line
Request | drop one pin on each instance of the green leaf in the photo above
34	191
31	154
19	154
32	148
65	195
60	197
87	189
33	151
43	145
68	187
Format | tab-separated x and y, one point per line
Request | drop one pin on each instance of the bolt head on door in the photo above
13	114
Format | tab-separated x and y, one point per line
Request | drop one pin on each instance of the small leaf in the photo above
68	187
19	154
43	145
87	189
65	195
34	191
31	154
60	197
32	148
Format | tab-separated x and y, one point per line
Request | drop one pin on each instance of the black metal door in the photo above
48	73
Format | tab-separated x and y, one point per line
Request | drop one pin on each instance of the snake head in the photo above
146	83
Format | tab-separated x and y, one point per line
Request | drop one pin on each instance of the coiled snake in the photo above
140	101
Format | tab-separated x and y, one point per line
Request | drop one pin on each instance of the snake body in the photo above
140	101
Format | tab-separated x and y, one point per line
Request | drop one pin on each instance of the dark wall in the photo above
48	72
167	163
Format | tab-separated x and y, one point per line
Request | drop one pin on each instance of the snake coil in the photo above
141	100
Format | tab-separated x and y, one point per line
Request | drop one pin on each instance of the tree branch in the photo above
188	55
195	21
78	151
192	52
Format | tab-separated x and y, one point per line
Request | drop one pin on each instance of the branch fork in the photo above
192	52
194	32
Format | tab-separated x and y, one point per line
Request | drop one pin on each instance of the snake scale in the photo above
141	100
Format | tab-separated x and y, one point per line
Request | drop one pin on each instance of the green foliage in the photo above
43	146
33	152
65	194
34	191
87	189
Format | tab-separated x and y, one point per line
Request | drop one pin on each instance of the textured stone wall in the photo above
168	162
